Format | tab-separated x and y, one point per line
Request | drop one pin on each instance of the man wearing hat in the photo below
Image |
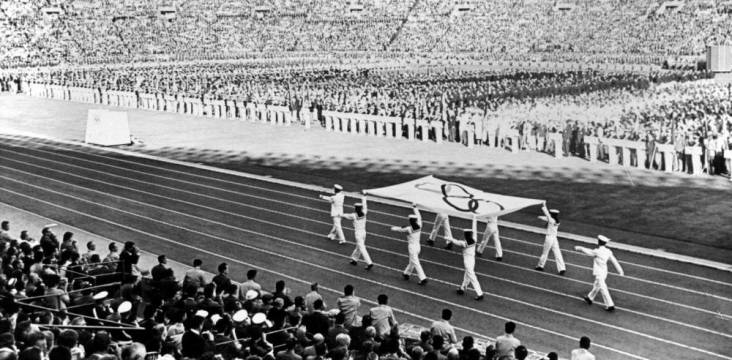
413	231
550	241
468	246
359	229
336	212
442	221
601	255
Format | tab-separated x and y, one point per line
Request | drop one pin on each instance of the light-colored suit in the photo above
551	242
469	277
336	212
599	268
442	221
491	230
413	246
359	227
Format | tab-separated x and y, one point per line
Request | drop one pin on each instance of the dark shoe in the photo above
405	276
423	282
354	262
610	309
431	242
369	266
499	258
341	242
561	273
587	300
479	298
460	292
539	268
448	246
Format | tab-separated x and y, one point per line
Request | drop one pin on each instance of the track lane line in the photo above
324	211
216	238
574	297
309	198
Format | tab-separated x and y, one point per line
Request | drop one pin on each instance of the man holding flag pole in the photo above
442	221
468	246
413	231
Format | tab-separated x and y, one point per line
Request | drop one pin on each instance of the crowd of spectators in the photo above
53	31
59	302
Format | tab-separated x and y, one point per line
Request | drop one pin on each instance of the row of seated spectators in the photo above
610	29
58	302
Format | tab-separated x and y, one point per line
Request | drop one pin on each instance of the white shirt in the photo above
359	223
601	255
582	354
492	223
349	308
336	204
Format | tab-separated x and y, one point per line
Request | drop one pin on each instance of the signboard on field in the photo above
107	128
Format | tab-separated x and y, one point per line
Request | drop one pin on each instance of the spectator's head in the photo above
197	263
91	246
5	225
162	259
100	343
370	332
425	336
382	299
68	338
24	235
453	354
585	342
59	353
314	287
510	327
68	236
223	268
31	353
134	351
343	340
520	352
437	342
348	290
251	274
366	321
417	353
446	314
552	356
468	342
318	304
112	247
280	286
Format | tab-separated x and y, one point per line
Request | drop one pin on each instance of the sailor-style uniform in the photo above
413	231
359	226
550	241
336	212
469	278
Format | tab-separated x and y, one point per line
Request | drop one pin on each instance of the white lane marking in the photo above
361	278
269	179
660	318
216	238
627	277
305	282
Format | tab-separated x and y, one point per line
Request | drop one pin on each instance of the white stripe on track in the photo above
400	289
627	277
656	317
313	188
216	238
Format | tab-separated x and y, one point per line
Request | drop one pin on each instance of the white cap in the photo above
603	238
468	230
412	216
240	316
215	318
338	187
12	281
202	313
358	204
554	211
251	295
101	295
333	312
124	307
261	319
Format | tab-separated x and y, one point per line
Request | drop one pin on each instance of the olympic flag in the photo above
453	198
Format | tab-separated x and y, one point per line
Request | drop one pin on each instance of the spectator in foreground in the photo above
583	352
506	344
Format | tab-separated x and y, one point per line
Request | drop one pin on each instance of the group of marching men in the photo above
470	245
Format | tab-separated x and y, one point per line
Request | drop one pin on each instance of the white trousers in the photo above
336	232
491	233
441	223
600	286
360	250
469	277
414	265
551	243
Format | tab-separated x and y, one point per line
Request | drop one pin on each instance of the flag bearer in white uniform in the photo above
442	221
413	231
336	212
491	232
359	229
468	246
550	241
599	268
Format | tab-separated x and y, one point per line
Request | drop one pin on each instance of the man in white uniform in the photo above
491	232
413	231
550	241
442	221
359	228
336	212
599	268
583	352
468	246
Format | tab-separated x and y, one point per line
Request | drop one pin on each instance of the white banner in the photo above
452	198
107	128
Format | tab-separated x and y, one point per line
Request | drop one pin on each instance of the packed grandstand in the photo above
608	80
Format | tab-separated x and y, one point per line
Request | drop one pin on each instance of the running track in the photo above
665	309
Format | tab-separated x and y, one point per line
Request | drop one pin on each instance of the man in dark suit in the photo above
317	322
159	271
194	345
